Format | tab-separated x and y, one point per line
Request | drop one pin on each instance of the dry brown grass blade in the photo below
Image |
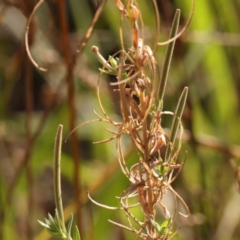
81	125
99	98
182	201
125	80
179	170
130	215
121	158
105	140
141	19
90	29
103	205
26	36
121	225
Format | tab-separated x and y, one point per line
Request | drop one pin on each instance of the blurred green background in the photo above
33	103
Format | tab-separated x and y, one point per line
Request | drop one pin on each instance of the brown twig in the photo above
71	104
29	176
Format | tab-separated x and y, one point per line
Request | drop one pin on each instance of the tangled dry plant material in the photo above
141	88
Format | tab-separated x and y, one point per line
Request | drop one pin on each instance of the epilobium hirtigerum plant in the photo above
141	86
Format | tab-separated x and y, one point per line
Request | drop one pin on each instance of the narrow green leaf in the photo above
164	226
50	218
57	221
76	234
47	221
57	175
108	72
113	62
161	230
176	120
167	60
43	224
52	222
69	227
166	223
56	233
156	226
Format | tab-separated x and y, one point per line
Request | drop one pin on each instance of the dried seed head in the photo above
95	49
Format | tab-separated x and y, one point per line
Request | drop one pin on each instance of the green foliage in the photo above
56	226
53	226
176	122
162	229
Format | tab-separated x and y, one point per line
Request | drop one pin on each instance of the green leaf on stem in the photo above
176	121
163	229
76	235
57	176
69	227
168	58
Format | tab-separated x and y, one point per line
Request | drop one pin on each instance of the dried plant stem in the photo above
123	101
29	176
90	29
26	36
182	30
145	141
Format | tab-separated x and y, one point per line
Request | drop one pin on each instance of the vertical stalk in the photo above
28	110
123	102
2	208
57	176
168	58
145	140
29	177
176	121
71	102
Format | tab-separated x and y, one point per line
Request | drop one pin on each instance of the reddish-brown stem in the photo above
145	141
29	102
71	103
29	107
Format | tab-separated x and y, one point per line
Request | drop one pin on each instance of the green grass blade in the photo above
168	58
69	227
76	234
57	175
176	120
